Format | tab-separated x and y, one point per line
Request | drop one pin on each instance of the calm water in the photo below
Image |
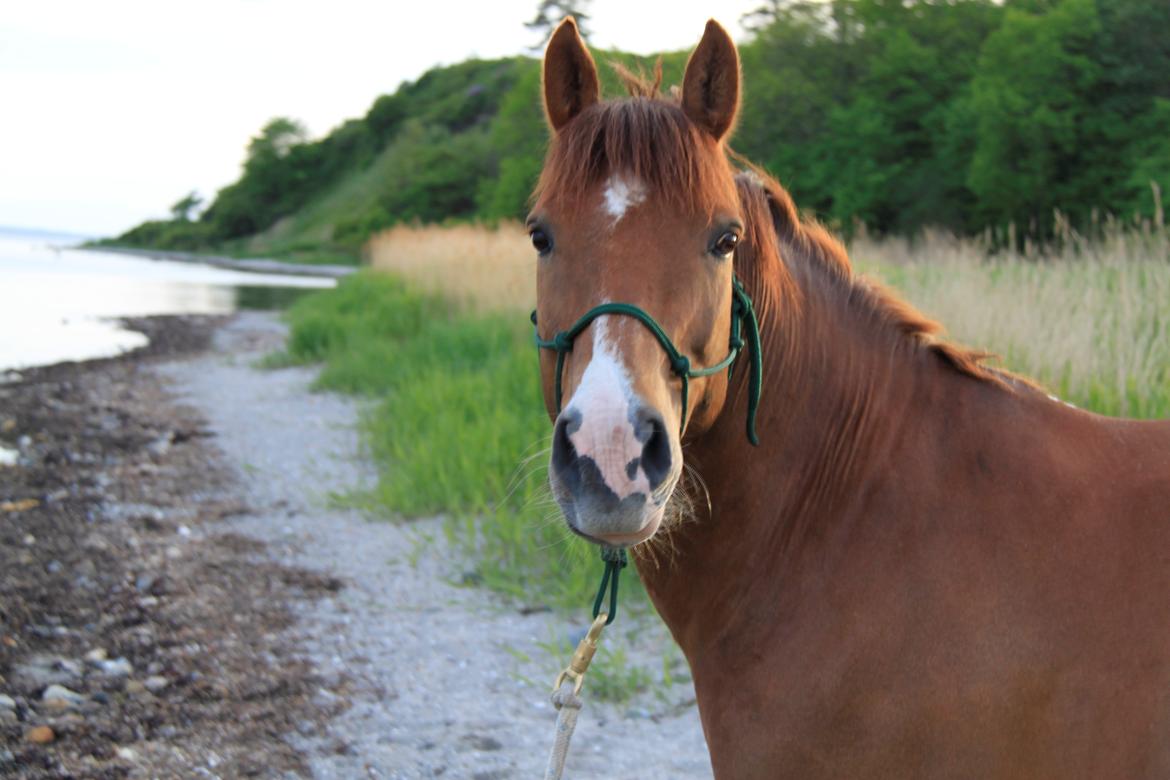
61	304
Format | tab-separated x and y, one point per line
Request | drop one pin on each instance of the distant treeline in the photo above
962	114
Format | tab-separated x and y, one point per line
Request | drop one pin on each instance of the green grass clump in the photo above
459	429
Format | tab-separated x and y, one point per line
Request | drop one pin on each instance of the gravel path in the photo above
445	680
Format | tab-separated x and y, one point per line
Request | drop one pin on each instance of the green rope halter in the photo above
742	314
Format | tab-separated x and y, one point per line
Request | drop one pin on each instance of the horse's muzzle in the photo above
612	475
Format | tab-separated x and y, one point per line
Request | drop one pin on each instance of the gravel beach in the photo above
382	665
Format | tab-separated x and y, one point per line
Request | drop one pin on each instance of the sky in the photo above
112	111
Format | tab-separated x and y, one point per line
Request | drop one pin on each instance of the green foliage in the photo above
181	210
459	411
900	114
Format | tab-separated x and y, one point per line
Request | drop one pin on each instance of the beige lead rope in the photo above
566	697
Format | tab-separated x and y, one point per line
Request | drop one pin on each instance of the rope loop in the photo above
615	560
563	342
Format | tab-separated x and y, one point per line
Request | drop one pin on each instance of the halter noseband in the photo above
741	313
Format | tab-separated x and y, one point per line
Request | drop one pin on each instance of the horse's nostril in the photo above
564	454
656	451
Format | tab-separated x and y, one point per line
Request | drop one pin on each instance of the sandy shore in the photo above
383	665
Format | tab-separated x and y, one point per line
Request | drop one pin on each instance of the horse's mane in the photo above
767	204
648	136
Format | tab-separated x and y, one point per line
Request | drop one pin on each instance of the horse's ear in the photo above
710	92
570	76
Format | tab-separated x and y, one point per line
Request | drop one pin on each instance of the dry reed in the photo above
1086	316
480	268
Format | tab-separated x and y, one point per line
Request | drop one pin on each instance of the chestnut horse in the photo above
927	567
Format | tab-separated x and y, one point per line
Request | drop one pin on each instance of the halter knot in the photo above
563	341
681	365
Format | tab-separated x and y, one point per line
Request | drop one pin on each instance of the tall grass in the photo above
1089	319
481	268
460	427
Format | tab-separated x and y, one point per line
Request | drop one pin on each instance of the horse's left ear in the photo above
710	92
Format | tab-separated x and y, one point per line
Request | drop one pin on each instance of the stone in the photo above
96	655
60	696
7	702
117	667
137	690
156	683
41	671
40	735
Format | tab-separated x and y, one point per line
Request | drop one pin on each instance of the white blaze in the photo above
603	400
622	193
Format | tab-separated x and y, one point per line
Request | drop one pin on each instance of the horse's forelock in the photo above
645	137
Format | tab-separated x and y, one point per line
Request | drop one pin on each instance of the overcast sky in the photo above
111	111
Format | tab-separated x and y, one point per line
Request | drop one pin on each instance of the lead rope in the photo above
745	332
566	696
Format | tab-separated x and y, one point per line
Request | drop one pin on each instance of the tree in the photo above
181	211
277	138
550	13
1030	101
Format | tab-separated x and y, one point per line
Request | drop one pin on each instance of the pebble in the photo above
137	690
40	735
41	671
126	754
156	683
96	655
118	667
7	702
60	696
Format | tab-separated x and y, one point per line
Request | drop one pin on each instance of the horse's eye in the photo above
540	241
725	244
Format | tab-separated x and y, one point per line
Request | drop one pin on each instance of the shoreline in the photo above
292	634
259	265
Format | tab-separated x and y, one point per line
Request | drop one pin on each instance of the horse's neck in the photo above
839	386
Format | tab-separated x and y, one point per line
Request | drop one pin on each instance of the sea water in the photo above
60	303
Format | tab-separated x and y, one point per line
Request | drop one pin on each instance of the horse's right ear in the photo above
710	92
570	76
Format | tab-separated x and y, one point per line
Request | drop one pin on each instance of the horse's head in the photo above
636	205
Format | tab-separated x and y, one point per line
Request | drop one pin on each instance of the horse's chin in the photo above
652	521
